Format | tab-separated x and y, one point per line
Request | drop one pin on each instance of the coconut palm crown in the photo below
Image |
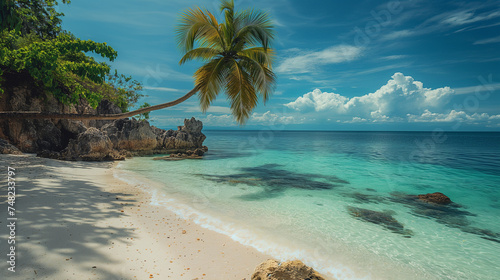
237	54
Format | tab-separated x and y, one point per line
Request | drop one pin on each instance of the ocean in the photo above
344	202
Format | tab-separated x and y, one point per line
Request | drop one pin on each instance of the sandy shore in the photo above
76	221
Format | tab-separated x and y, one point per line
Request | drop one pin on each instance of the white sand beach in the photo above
76	221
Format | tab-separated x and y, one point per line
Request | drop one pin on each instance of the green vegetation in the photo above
239	60
32	42
236	51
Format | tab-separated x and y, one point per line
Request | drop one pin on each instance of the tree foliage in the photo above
237	54
31	16
32	41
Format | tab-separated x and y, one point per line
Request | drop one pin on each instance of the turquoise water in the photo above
311	195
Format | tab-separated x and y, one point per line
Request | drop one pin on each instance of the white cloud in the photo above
319	101
488	41
401	95
219	120
479	88
401	99
269	118
398	34
393	57
453	116
466	17
303	62
266	118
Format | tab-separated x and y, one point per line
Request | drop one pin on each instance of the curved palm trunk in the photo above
38	115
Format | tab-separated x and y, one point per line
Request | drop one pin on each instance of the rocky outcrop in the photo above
437	198
31	136
7	148
291	270
131	135
91	145
87	140
187	137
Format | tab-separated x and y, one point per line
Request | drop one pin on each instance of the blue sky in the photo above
341	65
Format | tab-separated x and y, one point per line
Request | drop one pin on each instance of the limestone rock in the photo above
7	148
22	94
69	139
93	145
105	107
291	270
437	198
186	137
131	135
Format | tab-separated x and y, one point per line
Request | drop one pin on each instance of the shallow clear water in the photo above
312	196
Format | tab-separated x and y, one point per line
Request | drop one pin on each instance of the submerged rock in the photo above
365	198
447	213
273	181
196	154
291	270
383	219
437	197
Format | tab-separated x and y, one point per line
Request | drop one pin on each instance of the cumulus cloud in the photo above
453	116
269	118
401	95
401	99
319	101
303	62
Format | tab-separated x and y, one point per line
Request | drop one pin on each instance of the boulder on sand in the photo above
291	270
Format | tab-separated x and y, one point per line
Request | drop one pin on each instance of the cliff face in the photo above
86	140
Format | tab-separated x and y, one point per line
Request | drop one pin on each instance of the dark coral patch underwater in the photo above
384	219
275	180
451	214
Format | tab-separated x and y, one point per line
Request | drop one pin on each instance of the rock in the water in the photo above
7	148
436	197
196	154
187	137
291	270
384	219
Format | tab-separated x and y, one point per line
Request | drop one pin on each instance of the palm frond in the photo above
210	78
254	27
205	54
259	54
198	25
263	79
240	92
227	4
237	54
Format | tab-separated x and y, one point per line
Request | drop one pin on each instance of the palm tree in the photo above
238	61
